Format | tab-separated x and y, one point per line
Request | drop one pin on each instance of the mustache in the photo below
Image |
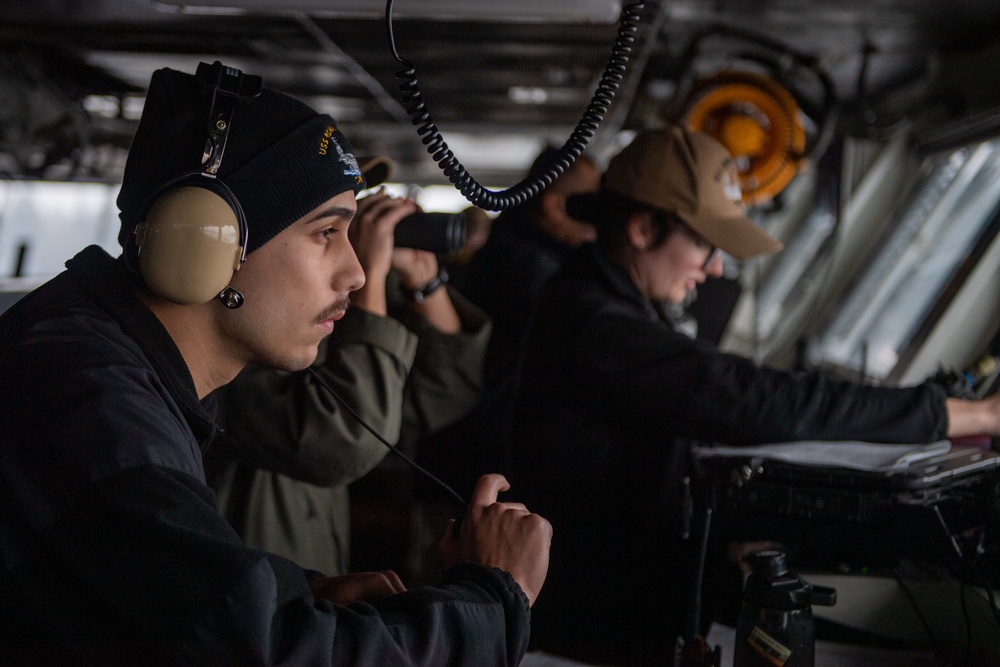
336	307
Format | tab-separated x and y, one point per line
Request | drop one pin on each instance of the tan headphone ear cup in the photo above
189	245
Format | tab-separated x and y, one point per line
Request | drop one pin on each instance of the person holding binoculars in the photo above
407	356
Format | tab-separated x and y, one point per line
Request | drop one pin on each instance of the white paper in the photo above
847	454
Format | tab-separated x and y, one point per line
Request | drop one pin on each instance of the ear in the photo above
553	204
639	230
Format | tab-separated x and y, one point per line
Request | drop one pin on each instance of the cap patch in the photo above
346	158
731	182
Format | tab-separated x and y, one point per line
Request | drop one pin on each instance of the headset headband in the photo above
227	85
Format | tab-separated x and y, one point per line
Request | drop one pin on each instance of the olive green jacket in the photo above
281	474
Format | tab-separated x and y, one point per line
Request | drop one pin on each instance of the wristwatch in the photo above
420	294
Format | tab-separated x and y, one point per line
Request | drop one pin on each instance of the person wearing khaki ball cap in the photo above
236	206
613	394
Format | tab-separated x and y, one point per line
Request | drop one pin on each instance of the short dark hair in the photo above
612	213
550	155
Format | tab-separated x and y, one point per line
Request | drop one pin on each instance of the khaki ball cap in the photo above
693	176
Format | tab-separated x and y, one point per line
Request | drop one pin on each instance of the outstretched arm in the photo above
973	417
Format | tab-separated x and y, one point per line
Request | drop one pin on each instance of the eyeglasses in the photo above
712	254
702	242
670	222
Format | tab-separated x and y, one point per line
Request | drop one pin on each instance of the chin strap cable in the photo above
392	448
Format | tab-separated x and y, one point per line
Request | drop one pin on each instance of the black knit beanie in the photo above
282	159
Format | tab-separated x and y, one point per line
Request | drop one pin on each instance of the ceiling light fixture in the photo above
509	11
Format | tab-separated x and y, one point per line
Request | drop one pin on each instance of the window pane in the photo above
934	232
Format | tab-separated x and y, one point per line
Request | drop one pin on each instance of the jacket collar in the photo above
617	279
111	286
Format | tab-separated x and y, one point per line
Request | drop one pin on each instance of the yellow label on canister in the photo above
770	648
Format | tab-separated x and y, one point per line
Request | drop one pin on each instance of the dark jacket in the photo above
112	549
505	278
610	399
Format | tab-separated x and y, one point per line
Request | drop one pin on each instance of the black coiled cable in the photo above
534	183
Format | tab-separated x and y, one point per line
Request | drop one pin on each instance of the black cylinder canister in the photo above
776	626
